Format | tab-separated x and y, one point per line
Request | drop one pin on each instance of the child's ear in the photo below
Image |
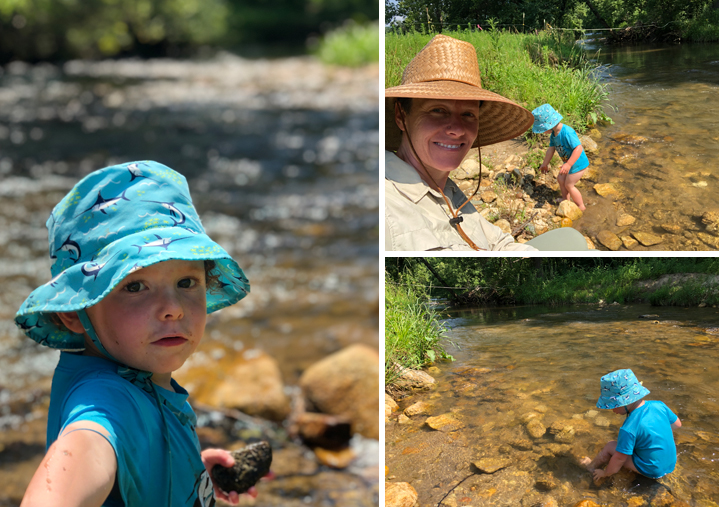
72	322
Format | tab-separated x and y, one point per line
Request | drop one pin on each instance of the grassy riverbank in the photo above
683	281
412	331
527	68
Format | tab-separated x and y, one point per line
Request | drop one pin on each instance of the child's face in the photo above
155	317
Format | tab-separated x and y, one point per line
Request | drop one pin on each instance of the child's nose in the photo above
170	306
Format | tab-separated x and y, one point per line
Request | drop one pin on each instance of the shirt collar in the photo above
407	180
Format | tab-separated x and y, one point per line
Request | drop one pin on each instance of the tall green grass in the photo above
412	332
531	69
352	45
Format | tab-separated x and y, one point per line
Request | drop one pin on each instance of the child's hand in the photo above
598	474
544	168
565	169
212	457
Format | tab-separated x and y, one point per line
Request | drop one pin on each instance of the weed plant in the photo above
352	45
531	69
412	331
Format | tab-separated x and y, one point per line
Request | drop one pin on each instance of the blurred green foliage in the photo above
36	30
351	46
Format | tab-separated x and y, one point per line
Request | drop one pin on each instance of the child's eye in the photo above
187	283
134	286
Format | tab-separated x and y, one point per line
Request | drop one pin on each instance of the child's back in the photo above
647	435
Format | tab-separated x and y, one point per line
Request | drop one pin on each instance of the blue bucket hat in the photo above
115	221
620	388
545	118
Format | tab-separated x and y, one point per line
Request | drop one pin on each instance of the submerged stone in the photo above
491	465
444	423
535	429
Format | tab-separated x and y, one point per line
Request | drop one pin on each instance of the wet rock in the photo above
535	429
525	418
672	228
565	436
590	243
251	464
335	458
346	384
588	144
586	503
711	220
569	210
629	242
601	421
389	405
415	378
399	494
433	370
591	414
253	385
663	498
541	408
322	429
636	501
629	139
566	222
710	240
522	444
444	423
419	408
546	482
403	419
607	190
559	449
489	196
647	238
609	240
491	465
624	220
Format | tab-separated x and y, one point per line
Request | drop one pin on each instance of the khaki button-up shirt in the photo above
417	217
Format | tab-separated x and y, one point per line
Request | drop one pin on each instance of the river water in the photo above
661	151
517	363
282	162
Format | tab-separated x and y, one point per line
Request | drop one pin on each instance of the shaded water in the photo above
661	151
547	362
282	162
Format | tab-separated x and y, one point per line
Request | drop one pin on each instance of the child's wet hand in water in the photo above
598	474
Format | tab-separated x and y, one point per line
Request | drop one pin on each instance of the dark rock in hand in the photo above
251	464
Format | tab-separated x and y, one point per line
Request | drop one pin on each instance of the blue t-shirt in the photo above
647	436
565	143
88	388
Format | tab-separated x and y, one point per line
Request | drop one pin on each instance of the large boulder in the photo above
346	384
252	384
569	210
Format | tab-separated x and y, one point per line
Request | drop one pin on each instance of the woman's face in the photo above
442	130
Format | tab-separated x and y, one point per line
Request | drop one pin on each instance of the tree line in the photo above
41	30
528	15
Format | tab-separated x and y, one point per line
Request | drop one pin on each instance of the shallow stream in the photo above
661	151
514	364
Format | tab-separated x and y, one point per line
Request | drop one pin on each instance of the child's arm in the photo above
576	153
545	165
676	424
77	471
615	464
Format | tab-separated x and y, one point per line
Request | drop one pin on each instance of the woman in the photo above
433	119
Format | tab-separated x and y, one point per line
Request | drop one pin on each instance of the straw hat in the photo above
447	68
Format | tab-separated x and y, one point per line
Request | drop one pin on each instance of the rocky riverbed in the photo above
519	199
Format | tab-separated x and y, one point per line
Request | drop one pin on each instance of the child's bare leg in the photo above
570	182
561	179
602	458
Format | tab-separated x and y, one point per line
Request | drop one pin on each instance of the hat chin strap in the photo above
90	330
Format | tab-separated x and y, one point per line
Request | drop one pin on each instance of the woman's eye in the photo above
186	283
134	286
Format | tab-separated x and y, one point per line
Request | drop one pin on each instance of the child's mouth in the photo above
170	341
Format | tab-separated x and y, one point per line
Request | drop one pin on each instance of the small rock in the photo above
522	444
591	414
525	418
251	463
565	436
546	482
629	139
590	243
662	499
647	238
609	240
403	419
389	405
399	494
602	422
567	222
710	240
568	209
559	449
491	465
338	459
672	228
536	429
489	196
542	409
629	242
588	144
504	225
322	429
433	370
444	423
418	408
624	220
607	190
636	501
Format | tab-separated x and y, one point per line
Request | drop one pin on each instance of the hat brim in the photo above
500	119
86	283
606	402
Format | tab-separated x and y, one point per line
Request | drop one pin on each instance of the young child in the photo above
646	442
134	277
565	141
